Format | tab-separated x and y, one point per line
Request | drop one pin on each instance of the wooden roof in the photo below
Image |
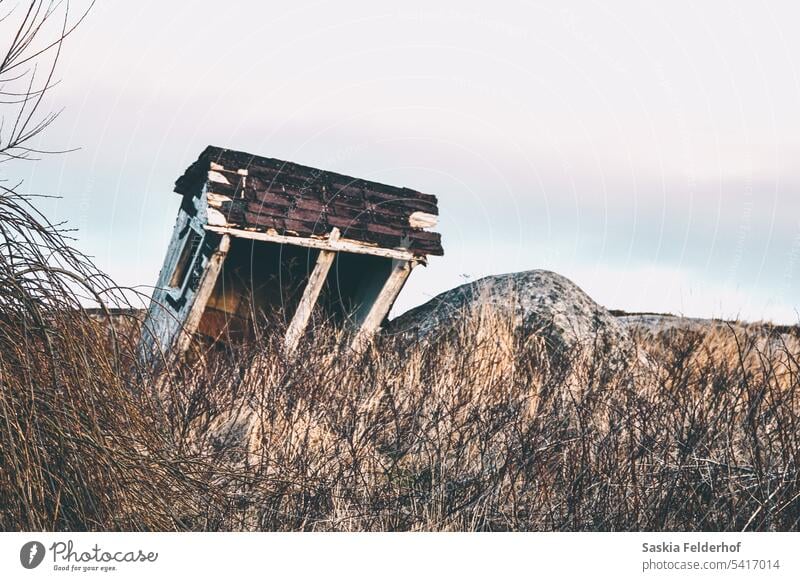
270	195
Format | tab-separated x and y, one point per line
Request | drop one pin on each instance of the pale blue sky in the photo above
647	150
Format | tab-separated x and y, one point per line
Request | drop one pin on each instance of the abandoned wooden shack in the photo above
258	238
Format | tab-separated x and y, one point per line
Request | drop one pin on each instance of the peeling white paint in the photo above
422	220
216	200
332	244
215	218
215	176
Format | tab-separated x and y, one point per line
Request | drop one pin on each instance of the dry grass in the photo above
699	432
81	445
483	428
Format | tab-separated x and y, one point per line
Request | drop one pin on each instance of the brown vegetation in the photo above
482	428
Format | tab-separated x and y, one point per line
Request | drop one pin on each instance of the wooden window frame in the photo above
185	260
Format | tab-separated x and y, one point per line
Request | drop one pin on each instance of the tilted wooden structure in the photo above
256	236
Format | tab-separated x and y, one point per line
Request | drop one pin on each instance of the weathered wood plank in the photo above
383	303
341	245
204	290
422	220
272	170
310	295
361	229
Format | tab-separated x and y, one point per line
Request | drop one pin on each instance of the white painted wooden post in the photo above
204	289
383	303
310	295
335	245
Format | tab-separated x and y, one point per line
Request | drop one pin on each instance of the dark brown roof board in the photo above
303	201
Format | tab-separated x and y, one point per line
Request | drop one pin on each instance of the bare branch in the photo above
29	52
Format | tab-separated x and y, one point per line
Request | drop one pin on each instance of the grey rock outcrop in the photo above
540	302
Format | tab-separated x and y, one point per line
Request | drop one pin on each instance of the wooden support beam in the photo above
337	245
383	303
204	289
310	295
